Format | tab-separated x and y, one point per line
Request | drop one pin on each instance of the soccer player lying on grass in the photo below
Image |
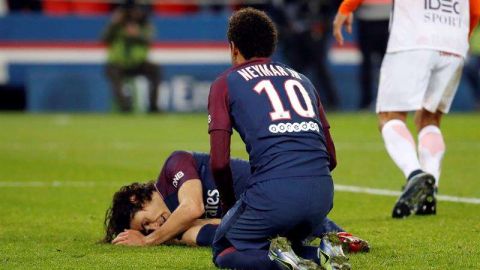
183	206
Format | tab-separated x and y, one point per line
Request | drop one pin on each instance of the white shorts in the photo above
411	80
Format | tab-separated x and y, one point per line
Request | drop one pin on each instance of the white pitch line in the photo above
55	184
341	188
392	193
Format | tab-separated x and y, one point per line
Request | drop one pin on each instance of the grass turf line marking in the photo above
391	193
340	188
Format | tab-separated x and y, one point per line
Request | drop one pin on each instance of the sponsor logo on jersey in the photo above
177	178
212	203
209	119
446	6
446	12
294	127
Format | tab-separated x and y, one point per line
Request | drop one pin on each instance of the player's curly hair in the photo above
126	202
253	33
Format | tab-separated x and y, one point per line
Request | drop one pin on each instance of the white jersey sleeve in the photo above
441	25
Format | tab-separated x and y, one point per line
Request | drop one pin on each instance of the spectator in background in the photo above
472	67
373	20
305	30
128	37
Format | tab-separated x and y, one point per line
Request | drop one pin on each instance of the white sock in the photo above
431	148
400	146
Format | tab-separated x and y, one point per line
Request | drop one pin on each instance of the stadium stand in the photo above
39	50
56	7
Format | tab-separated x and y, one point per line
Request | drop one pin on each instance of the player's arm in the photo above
220	165
328	137
220	129
344	17
190	208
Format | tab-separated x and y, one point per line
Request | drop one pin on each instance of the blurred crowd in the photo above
304	30
96	7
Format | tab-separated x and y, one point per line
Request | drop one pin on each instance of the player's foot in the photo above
282	253
429	205
417	190
352	244
332	246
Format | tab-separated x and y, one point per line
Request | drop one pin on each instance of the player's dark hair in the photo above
252	32
126	202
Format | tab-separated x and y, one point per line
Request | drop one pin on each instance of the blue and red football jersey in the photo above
276	112
182	166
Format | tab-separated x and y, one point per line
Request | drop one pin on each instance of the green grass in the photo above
56	227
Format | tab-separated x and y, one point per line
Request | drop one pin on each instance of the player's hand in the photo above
130	238
338	23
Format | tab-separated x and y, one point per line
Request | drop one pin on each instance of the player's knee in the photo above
425	118
224	259
220	262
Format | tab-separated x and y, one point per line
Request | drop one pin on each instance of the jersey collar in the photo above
255	60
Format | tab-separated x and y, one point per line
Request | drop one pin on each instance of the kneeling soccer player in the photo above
279	116
182	206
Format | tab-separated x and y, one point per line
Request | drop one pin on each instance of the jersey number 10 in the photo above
290	86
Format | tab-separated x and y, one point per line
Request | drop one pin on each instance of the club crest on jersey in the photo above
177	178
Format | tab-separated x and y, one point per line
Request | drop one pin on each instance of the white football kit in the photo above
426	50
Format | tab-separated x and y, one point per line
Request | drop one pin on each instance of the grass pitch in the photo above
58	174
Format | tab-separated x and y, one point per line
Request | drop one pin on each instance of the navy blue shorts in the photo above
291	207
